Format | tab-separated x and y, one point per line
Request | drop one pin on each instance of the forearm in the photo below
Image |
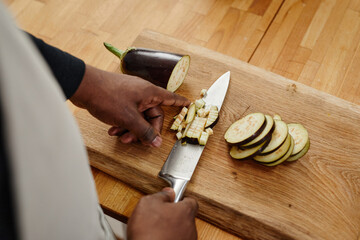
67	69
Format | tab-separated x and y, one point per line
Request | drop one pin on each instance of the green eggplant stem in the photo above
119	53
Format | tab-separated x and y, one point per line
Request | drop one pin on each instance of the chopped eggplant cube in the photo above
199	103
180	117
203	138
213	116
196	128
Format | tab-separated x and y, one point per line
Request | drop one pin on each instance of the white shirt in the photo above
55	195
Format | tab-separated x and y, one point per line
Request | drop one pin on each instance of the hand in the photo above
130	104
158	217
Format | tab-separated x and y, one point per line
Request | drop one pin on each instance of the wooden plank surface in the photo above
82	29
313	198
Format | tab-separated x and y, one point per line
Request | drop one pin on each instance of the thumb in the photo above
165	195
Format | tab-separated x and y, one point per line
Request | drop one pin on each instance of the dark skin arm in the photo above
130	104
133	107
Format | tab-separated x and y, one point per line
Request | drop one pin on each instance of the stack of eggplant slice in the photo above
267	140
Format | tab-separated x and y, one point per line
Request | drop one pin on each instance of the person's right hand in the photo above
158	217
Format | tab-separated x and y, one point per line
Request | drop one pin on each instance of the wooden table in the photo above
311	41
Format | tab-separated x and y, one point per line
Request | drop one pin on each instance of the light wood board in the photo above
316	197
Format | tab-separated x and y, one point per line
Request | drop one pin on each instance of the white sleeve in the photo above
55	194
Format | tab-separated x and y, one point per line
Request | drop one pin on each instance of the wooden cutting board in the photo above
316	197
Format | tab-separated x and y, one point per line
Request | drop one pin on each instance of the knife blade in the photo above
182	160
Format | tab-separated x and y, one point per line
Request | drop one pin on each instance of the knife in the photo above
182	160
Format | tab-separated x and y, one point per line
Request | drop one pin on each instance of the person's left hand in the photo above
129	103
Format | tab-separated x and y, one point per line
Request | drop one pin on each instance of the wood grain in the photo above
80	27
313	198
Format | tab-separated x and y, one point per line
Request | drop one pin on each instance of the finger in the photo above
155	117
142	129
116	131
165	195
172	99
160	96
190	203
128	137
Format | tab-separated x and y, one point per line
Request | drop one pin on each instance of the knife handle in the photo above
178	184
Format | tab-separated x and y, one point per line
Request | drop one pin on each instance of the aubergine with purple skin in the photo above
164	69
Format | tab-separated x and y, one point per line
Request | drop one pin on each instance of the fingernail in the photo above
125	139
112	131
168	189
157	142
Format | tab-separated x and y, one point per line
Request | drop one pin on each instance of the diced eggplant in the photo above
213	117
300	135
191	113
301	153
283	158
179	135
277	138
180	117
202	112
203	138
196	128
239	153
203	92
276	155
186	130
164	69
246	129
277	117
209	131
199	103
265	134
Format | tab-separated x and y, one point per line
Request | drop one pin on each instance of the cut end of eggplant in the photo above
178	74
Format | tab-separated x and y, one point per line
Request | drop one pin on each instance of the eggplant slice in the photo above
164	69
213	117
301	153
264	136
300	135
285	157
278	137
239	153
246	129
276	155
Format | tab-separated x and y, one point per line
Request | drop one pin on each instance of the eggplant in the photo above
197	127
300	135
301	153
179	118
239	153
278	137
264	136
278	154
246	129
283	158
164	69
